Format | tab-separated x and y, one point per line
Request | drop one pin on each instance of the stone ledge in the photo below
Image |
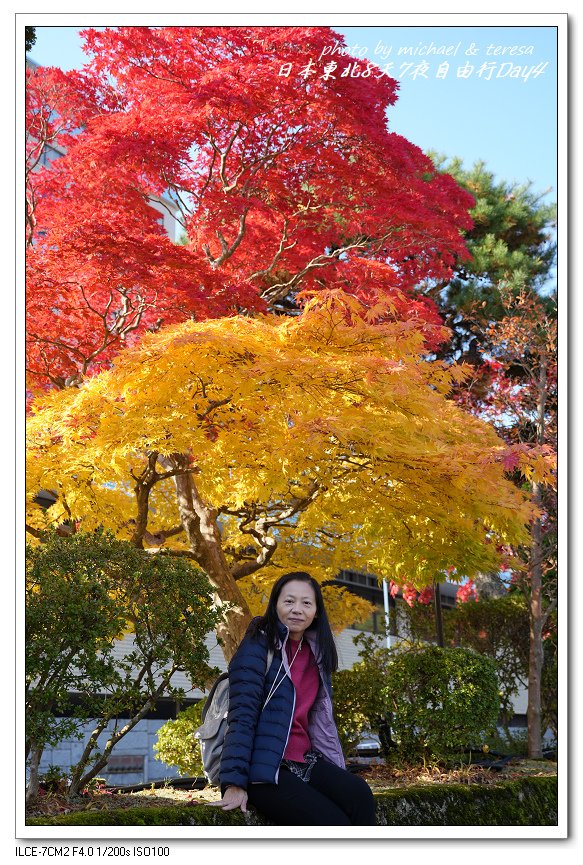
525	802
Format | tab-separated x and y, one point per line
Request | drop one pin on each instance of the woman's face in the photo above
296	607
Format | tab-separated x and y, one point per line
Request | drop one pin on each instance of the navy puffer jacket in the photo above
256	737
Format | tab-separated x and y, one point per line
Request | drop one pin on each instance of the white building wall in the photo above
348	653
179	680
521	701
169	214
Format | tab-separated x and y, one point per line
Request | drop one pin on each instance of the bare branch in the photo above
212	406
260	531
281	249
227	251
80	782
280	289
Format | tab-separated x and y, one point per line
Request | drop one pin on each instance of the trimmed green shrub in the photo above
360	701
494	627
427	700
443	699
176	745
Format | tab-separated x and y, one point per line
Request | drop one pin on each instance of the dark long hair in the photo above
269	621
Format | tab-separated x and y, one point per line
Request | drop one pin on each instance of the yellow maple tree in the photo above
262	444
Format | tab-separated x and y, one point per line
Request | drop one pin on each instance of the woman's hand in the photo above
234	797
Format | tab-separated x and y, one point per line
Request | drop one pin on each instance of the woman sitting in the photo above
281	751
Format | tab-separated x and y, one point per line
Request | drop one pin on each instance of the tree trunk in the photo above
32	788
536	613
535	660
80	780
200	523
90	745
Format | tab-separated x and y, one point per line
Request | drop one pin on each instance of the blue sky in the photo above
499	117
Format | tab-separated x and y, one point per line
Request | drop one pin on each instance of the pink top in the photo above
306	679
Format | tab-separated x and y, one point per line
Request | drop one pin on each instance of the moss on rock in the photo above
172	815
524	802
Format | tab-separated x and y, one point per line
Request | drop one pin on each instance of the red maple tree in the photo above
518	392
283	179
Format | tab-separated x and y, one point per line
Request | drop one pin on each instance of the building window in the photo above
124	763
375	624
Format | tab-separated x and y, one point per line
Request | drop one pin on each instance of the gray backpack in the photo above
211	733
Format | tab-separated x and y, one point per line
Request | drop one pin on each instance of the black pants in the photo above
332	797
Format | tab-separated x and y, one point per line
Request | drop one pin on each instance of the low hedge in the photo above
525	802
